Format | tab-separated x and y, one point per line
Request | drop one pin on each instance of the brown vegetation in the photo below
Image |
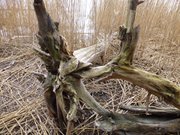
22	105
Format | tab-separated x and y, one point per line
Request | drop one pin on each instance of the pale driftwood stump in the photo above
64	87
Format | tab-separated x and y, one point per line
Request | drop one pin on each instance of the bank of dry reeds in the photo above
22	107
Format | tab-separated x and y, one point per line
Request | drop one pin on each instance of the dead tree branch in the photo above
63	84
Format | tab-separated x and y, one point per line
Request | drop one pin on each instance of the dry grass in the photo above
22	107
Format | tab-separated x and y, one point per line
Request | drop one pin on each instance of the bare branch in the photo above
168	112
153	83
139	124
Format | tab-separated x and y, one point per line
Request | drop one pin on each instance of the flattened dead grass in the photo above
23	110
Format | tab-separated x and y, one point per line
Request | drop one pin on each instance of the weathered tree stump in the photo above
64	87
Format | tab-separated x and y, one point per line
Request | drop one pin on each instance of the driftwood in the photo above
168	112
140	124
63	84
91	54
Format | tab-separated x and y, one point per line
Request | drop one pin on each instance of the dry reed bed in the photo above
102	18
22	107
21	95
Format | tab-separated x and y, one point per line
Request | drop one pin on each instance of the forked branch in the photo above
63	85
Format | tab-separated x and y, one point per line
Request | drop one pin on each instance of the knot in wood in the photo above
122	33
